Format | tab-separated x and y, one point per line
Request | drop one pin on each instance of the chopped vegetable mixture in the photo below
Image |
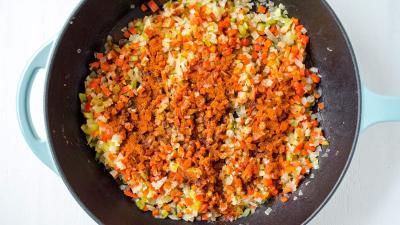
204	110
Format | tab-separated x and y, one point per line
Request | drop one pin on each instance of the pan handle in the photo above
38	146
378	108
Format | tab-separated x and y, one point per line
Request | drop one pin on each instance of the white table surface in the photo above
32	194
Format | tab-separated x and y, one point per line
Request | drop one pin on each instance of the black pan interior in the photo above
99	194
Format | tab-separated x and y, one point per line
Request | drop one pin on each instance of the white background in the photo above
32	194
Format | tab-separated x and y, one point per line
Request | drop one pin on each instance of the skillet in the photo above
65	150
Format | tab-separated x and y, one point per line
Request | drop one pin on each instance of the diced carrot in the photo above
273	29
119	62
227	52
94	65
87	107
143	7
284	126
99	55
321	106
130	194
199	197
261	9
232	32
188	201
148	31
106	91
105	67
254	55
267	43
309	146
155	212
305	39
294	50
107	134
203	207
257	47
299	88
268	182
153	6
315	78
295	21
132	30
314	123
213	49
126	34
245	42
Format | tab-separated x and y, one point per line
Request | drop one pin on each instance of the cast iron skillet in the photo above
100	195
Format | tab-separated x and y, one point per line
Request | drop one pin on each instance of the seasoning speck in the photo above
79	50
329	49
325	155
294	198
300	193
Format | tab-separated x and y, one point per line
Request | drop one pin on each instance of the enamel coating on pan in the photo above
66	60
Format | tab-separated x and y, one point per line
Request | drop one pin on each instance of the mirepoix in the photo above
205	110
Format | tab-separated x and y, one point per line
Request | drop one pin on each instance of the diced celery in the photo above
140	203
82	97
164	199
143	175
243	30
286	24
116	48
164	213
84	128
289	156
261	27
134	58
98	108
293	123
88	115
292	139
246	212
93	74
207	42
139	25
271	22
168	35
196	205
107	103
145	37
134	84
325	143
173	167
277	13
98	155
297	171
92	127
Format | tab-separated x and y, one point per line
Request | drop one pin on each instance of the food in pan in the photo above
205	110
